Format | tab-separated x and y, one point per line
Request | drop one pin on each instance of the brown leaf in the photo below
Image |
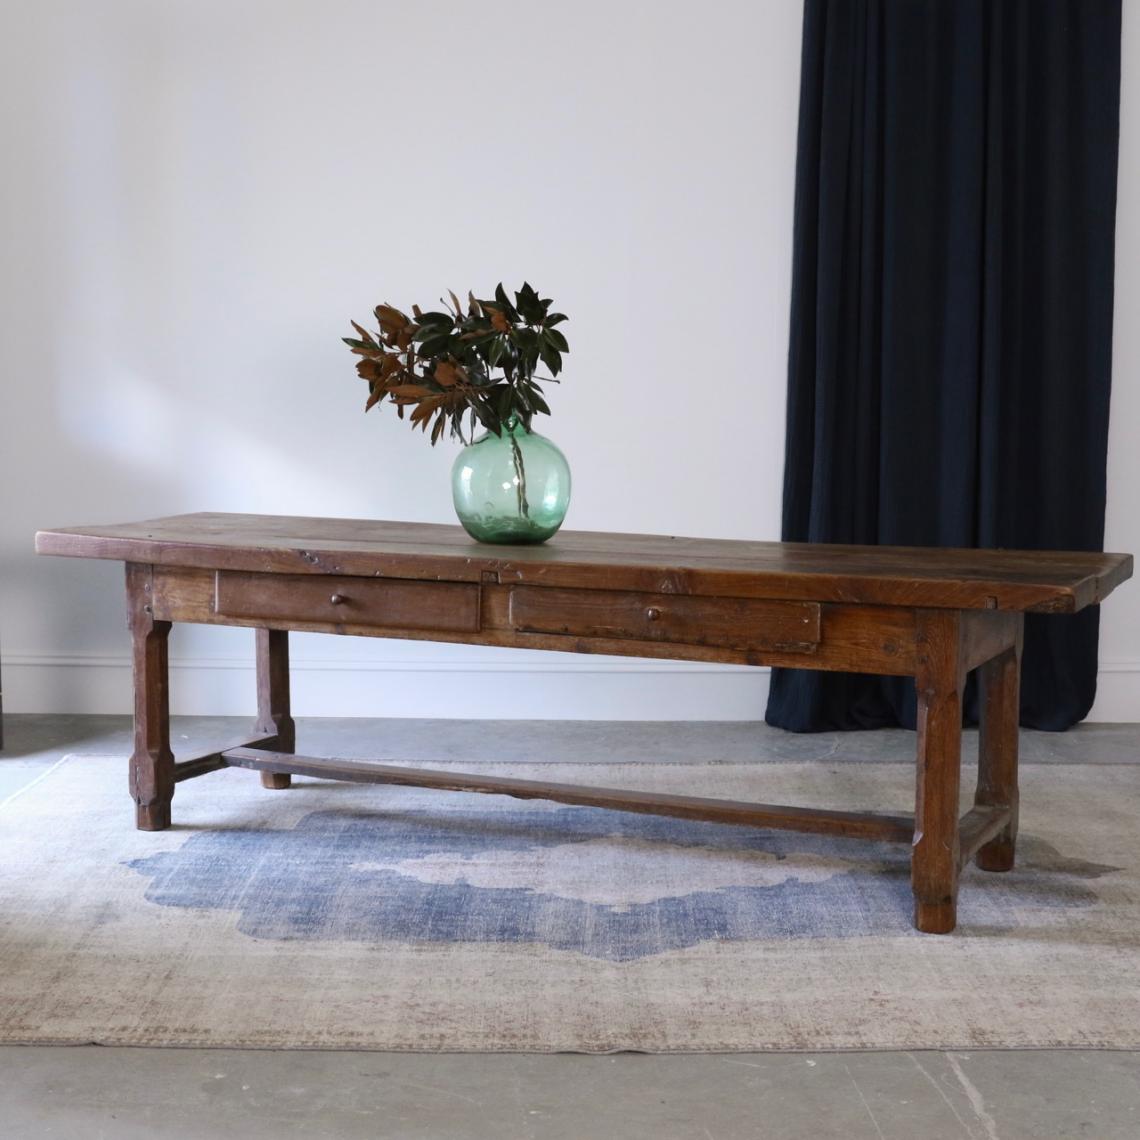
446	374
365	335
369	370
392	321
499	322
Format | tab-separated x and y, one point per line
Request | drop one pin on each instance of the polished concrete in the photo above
192	1094
92	1092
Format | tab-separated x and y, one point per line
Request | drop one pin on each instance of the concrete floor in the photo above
194	1094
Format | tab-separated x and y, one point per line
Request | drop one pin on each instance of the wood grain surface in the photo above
928	577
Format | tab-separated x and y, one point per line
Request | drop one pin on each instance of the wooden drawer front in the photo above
389	602
728	623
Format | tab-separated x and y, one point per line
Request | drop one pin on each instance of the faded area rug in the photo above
360	917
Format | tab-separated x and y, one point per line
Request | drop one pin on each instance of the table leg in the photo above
152	762
939	680
273	714
999	682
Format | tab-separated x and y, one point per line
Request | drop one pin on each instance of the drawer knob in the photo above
653	613
338	599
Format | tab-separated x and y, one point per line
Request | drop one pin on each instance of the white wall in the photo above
197	197
1118	685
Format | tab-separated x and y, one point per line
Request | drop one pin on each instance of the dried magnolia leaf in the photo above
365	335
446	374
391	319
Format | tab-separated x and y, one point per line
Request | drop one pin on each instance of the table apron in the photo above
858	638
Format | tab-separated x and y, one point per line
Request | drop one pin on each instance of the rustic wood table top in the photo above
1036	580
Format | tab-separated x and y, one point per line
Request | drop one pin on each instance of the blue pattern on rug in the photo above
456	876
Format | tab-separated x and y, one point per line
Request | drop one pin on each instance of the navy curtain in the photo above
949	366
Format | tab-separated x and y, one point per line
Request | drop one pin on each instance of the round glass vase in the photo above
511	488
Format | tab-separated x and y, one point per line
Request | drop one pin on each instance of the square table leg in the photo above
939	681
273	715
152	761
999	681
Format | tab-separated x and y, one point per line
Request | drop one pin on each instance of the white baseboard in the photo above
562	689
1117	692
574	689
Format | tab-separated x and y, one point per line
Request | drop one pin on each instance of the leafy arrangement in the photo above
450	364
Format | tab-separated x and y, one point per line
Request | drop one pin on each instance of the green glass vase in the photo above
511	488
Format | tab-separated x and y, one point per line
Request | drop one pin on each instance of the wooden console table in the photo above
932	614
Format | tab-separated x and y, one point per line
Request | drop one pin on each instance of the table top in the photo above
936	577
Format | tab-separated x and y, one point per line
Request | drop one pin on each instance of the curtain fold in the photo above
950	354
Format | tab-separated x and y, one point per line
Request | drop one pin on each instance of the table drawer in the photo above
392	603
727	623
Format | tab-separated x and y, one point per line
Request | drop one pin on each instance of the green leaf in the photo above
433	322
556	339
504	303
480	323
436	345
486	416
504	401
555	319
551	358
529	305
